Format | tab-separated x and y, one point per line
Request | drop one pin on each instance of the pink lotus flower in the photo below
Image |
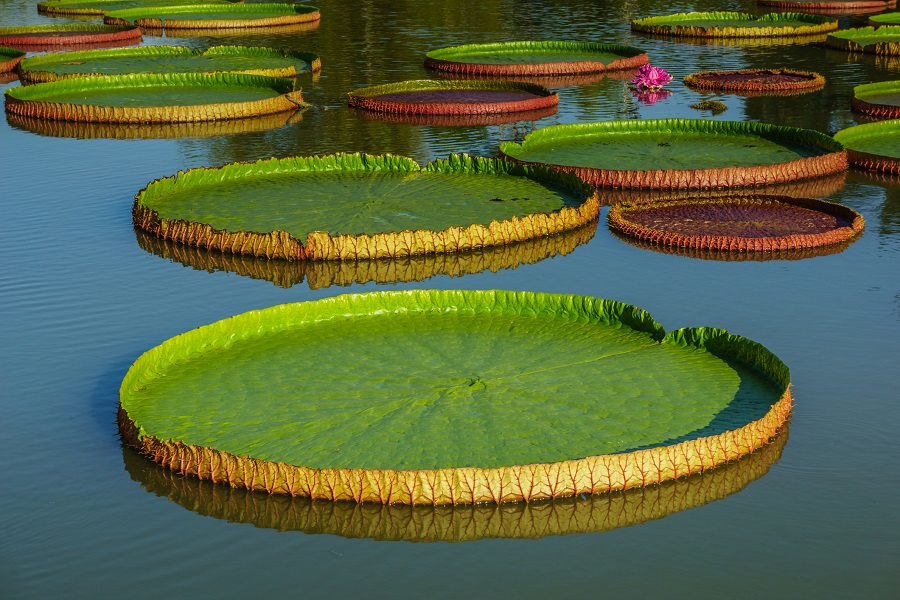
651	78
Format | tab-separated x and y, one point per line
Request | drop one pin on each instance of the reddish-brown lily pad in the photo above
748	224
432	97
756	82
836	7
9	58
37	38
873	146
878	100
534	58
481	120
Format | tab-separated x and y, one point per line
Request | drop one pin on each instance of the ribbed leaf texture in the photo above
168	59
442	97
877	100
743	224
527	58
624	328
735	24
873	146
193	96
883	41
455	523
826	156
756	82
39	37
98	7
403	196
214	16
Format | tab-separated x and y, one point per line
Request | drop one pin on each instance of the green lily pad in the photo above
37	38
214	16
534	58
98	7
354	206
680	153
460	523
873	146
155	98
169	59
735	24
451	397
884	41
878	100
891	18
9	58
430	97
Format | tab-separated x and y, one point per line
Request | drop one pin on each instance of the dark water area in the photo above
82	295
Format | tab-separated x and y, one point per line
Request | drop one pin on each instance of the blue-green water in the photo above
80	300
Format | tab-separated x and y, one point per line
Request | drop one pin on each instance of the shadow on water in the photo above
563	516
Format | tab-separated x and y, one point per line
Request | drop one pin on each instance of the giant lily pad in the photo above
442	397
873	146
891	19
756	82
454	523
98	7
883	41
734	24
214	16
320	274
833	7
680	153
9	58
36	38
430	97
168	59
744	224
878	100
534	58
356	206
155	98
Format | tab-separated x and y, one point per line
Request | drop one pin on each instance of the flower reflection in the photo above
650	97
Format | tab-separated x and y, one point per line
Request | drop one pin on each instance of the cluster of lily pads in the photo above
456	421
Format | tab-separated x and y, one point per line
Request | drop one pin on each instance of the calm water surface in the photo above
81	299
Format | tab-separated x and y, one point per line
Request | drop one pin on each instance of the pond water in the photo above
82	298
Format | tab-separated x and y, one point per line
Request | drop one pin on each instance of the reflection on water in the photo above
128	131
326	273
255	33
744	42
819	187
524	116
548	81
736	256
460	523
